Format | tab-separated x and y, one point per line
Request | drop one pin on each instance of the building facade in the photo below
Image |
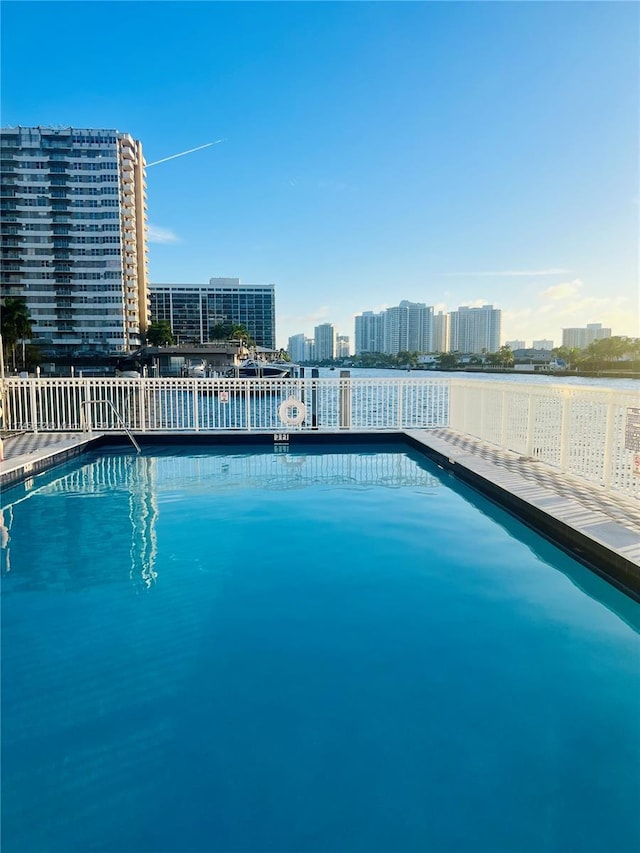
192	310
580	338
474	330
342	346
300	348
369	329
74	236
440	339
408	328
514	345
543	344
325	341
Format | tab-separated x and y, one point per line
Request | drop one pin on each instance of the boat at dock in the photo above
253	368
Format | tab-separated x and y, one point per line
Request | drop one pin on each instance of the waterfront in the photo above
539	379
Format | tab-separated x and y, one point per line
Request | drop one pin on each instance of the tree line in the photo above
601	354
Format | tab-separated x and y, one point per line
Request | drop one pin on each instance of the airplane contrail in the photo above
182	153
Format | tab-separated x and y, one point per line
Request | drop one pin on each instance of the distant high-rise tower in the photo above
473	330
440	339
369	332
580	338
408	328
342	346
300	348
74	235
543	343
325	341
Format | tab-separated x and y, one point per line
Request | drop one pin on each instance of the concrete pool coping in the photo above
598	527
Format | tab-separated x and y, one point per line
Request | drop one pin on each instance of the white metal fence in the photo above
580	430
211	405
583	431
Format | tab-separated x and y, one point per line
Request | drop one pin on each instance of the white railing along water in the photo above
211	405
579	430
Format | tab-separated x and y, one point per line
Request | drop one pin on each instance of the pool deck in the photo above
600	527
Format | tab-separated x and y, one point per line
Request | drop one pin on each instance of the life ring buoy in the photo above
292	403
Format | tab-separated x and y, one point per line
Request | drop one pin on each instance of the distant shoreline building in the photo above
300	348
342	346
369	329
543	344
408	328
74	235
324	337
440	336
474	330
193	309
580	338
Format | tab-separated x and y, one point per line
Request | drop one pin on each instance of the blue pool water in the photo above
305	651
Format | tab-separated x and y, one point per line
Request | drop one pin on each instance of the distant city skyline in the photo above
359	154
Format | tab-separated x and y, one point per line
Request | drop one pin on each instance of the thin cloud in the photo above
512	273
156	234
566	290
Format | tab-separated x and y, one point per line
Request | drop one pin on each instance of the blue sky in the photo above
448	153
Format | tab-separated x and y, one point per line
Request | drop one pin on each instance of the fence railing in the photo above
212	405
579	430
582	431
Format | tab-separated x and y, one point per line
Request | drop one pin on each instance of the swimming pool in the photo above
325	650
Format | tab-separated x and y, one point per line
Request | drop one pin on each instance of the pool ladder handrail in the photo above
116	413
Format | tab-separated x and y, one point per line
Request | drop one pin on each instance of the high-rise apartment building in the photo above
342	346
515	344
543	343
300	348
474	330
580	338
74	235
192	310
369	328
408	328
440	339
325	341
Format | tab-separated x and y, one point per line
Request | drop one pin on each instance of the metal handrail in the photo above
118	416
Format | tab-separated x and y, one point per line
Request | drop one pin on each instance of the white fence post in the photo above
33	403
196	414
247	407
531	424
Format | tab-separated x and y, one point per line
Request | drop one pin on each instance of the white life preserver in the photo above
292	403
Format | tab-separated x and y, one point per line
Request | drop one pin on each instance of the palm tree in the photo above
15	324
